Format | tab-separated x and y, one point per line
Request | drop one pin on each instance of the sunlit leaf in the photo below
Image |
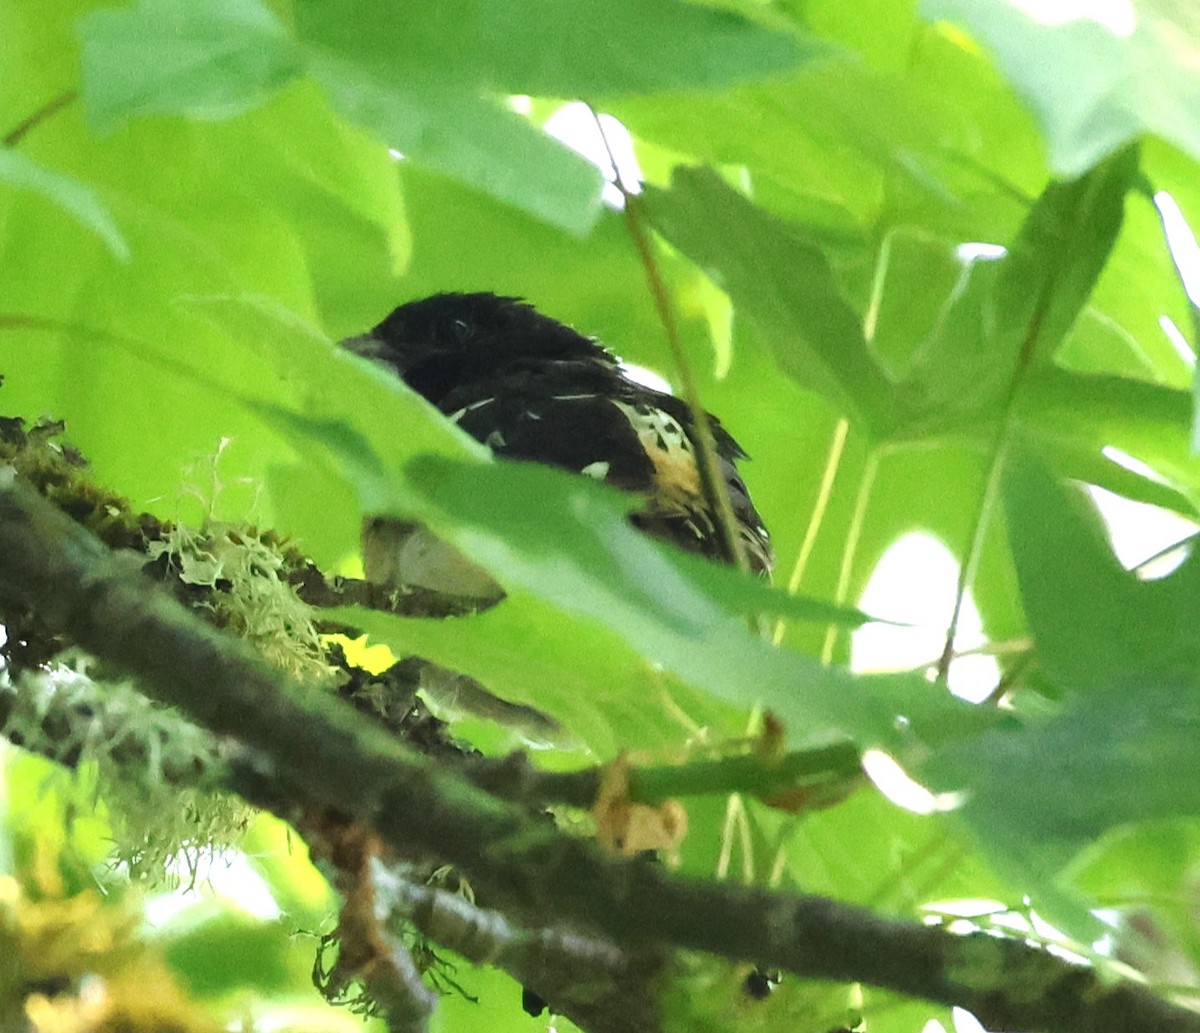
75	198
1097	79
1181	245
1040	797
1096	625
473	140
1076	418
1010	312
1127	653
781	282
211	955
210	60
550	49
856	221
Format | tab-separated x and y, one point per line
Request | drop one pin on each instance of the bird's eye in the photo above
461	329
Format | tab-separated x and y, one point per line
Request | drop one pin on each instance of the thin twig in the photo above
849	551
369	952
970	564
15	135
1033	333
716	492
1188	539
833	462
1019	669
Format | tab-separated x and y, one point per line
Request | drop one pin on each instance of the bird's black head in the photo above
441	341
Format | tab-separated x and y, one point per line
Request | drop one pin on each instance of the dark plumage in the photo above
533	389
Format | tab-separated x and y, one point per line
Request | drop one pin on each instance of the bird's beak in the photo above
366	345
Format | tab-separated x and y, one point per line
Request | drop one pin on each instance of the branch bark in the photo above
319	751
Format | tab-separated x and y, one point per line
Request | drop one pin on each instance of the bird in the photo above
533	389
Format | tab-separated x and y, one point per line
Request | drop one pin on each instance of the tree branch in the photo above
316	589
323	752
589	979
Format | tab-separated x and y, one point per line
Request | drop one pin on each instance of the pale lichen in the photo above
150	772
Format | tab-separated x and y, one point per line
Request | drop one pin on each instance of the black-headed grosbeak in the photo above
533	389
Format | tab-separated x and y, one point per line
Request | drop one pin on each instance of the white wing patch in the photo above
598	470
454	417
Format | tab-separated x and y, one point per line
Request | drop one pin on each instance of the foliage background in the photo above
209	198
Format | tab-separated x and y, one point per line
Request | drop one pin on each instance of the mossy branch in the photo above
318	751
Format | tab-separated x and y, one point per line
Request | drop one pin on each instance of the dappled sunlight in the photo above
914	583
1131	463
602	141
1182	243
1118	16
646	377
1178	341
1142	535
965	1022
227	876
977	251
902	789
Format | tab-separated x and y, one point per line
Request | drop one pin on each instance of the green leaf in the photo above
357	441
574	550
75	198
323	378
682	590
332	180
918	276
752	597
1145	868
207	60
1053	265
1096	625
587	48
872	146
211	956
1127	654
780	282
1041	796
368	451
947	374
475	141
832	133
387	67
1121	330
1099	79
1181	245
1076	417
1008	315
287	204
604	696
